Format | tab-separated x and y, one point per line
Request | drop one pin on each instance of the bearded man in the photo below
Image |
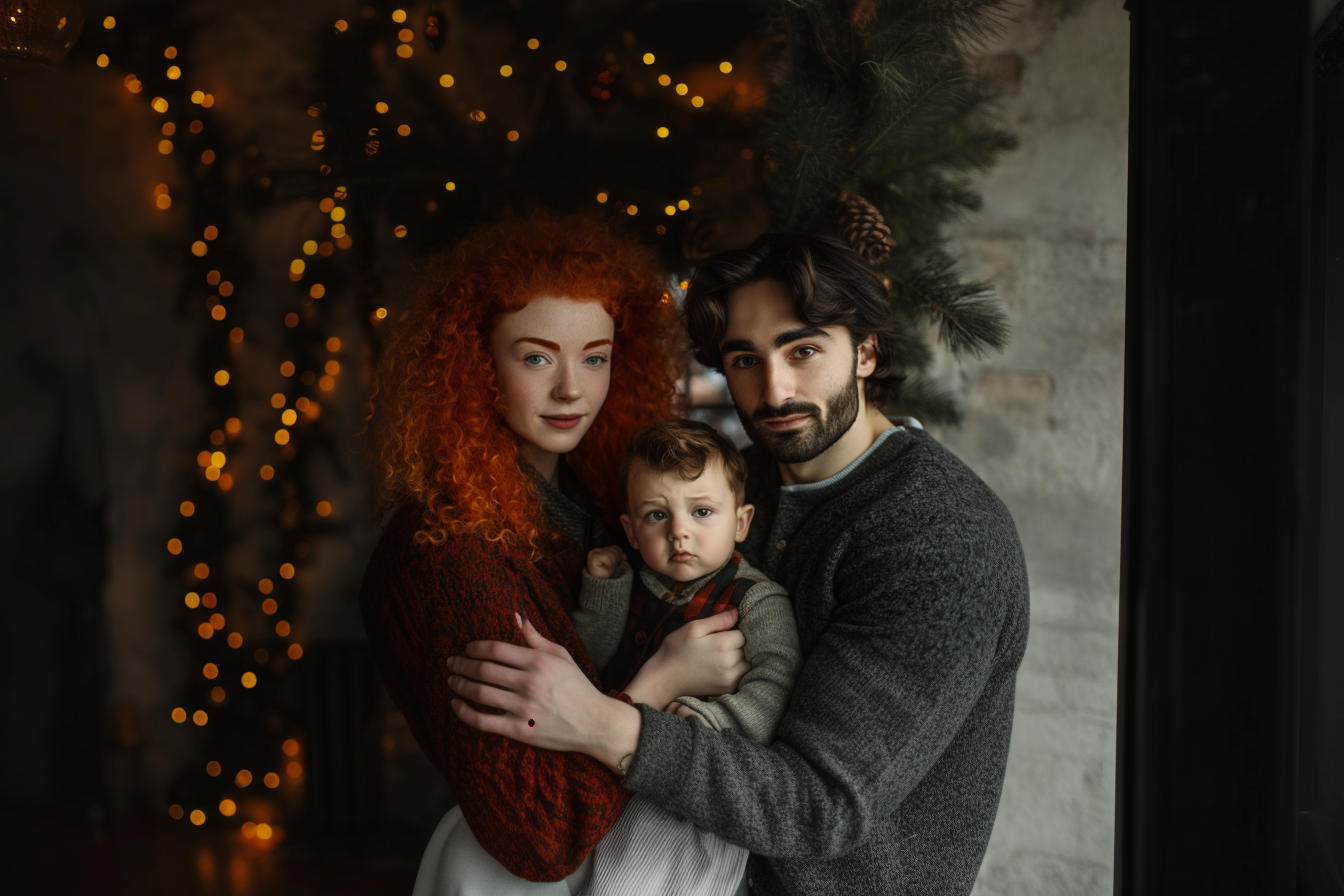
908	586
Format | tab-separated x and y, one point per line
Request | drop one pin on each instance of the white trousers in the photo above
649	852
652	852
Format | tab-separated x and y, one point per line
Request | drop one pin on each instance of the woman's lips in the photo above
563	421
787	422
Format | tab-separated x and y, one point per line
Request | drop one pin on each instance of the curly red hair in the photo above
439	435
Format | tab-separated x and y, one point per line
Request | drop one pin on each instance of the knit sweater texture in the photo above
765	618
538	812
910	593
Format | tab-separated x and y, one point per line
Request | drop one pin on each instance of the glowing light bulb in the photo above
649	59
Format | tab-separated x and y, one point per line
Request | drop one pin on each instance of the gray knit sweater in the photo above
764	617
910	593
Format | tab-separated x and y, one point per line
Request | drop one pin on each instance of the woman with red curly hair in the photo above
501	407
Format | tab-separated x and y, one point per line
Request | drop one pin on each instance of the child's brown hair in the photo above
684	447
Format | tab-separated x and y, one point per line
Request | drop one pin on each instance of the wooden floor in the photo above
161	860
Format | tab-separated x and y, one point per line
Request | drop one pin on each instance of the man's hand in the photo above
545	699
602	562
704	656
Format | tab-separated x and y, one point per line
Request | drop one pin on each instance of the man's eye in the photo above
806	351
701	512
744	361
656	516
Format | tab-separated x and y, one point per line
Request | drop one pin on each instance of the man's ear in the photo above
629	530
744	515
866	352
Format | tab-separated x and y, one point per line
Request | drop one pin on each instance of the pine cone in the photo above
861	226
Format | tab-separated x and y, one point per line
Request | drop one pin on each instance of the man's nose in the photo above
778	384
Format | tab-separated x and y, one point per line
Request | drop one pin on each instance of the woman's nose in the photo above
567	386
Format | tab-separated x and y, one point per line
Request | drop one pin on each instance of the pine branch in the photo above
928	401
969	321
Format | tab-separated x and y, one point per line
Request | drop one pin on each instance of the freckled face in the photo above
553	365
684	530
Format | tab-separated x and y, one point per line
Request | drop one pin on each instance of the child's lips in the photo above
682	556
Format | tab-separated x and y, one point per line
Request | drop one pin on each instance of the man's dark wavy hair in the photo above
831	284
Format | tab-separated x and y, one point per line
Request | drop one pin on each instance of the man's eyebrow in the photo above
596	343
541	342
788	336
737	345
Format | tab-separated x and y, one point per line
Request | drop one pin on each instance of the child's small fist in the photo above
602	562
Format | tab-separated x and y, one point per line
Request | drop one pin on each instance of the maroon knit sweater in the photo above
538	812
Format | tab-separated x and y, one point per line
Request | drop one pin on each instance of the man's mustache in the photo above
787	409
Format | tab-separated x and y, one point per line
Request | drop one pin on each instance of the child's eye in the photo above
656	516
701	512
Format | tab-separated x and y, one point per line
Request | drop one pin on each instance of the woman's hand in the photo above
545	699
703	657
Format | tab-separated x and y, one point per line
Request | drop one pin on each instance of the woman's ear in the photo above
629	530
744	515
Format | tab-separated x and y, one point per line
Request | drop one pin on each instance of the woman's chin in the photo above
559	441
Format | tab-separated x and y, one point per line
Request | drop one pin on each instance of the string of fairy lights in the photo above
241	643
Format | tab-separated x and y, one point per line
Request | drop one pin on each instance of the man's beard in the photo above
799	445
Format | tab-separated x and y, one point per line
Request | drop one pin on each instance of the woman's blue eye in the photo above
656	516
534	360
595	361
701	512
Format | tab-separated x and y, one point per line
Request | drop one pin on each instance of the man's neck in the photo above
857	439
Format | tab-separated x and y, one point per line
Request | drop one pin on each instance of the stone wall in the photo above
1044	429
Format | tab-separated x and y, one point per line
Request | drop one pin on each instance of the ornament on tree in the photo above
862	226
436	28
595	81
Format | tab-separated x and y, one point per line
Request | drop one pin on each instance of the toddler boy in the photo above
685	485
